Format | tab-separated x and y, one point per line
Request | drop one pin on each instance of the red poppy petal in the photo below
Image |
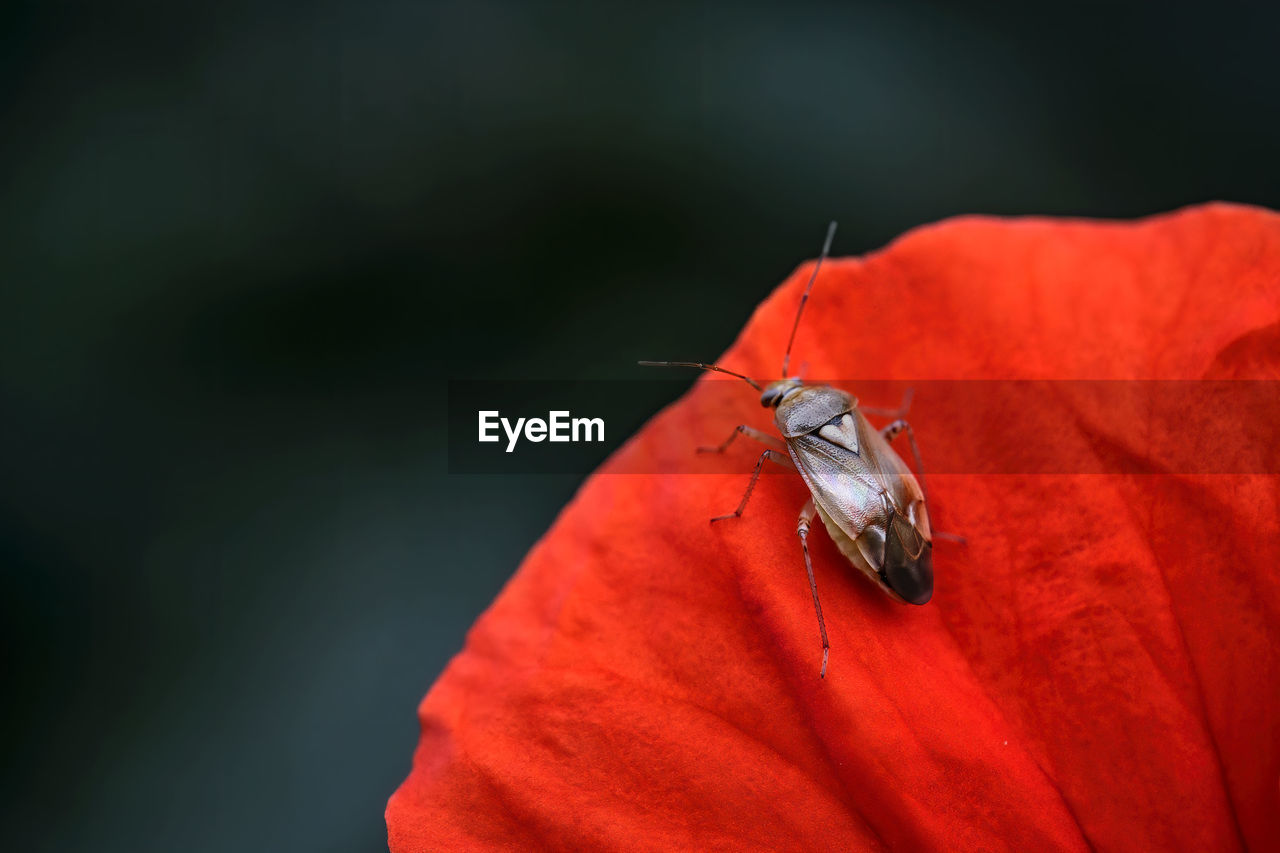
1098	666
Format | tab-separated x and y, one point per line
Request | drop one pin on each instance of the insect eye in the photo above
772	396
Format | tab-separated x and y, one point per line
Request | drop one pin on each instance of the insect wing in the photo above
893	473
847	484
840	481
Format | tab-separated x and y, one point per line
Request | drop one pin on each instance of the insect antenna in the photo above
702	366
826	248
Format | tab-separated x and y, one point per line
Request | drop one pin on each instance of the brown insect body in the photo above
873	507
870	502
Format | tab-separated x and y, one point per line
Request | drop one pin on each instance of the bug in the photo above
873	507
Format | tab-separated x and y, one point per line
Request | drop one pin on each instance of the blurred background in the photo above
244	245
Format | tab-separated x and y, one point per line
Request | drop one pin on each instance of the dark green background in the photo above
243	246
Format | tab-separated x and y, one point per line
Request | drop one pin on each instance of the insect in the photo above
872	505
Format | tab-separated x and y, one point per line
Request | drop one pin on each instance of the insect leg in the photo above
780	458
762	437
900	412
802	530
891	432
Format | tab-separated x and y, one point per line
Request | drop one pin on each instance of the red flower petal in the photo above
1099	664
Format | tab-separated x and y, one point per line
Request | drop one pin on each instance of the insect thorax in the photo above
806	408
